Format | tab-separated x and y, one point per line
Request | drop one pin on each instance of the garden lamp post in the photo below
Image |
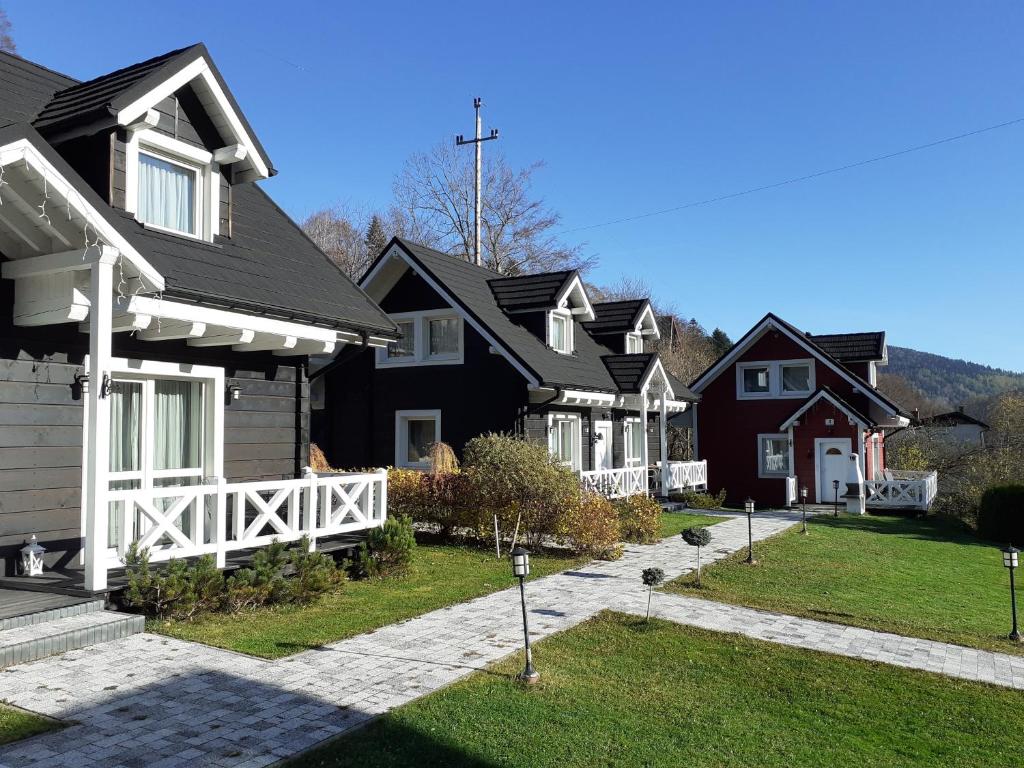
803	503
835	507
1010	555
521	569
748	507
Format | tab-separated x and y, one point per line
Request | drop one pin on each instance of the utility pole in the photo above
477	202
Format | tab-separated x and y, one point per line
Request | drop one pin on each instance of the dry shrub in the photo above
442	459
591	527
640	519
317	461
406	492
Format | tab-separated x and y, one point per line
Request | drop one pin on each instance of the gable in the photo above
411	293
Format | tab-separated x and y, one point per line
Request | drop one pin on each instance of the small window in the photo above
773	455
444	337
633	438
756	380
634	344
415	433
167	194
565	445
796	378
405	346
561	333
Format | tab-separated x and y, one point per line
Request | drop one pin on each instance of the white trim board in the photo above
832	399
401	419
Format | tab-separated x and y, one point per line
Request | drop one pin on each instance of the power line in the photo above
795	180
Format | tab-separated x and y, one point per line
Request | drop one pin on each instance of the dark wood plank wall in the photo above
266	431
535	427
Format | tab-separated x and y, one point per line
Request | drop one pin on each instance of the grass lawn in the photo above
617	692
18	724
674	523
439	576
926	578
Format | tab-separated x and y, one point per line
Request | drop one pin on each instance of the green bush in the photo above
519	481
591	527
178	591
387	550
1001	514
699	500
639	519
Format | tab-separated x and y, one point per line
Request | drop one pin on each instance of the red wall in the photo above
728	428
812	426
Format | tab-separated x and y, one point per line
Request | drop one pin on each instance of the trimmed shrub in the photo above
700	500
697	536
406	489
387	550
591	527
519	481
639	519
1001	514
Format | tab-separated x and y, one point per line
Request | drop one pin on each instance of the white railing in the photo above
615	483
222	517
691	475
790	491
907	490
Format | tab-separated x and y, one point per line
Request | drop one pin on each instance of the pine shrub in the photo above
387	550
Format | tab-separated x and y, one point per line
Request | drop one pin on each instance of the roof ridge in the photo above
165	56
43	67
407	242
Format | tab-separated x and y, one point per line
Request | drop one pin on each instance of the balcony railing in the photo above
223	517
906	490
684	475
615	483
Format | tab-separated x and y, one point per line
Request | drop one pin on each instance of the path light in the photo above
803	502
1010	556
748	507
521	569
835	508
32	558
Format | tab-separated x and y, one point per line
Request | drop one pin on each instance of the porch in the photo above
902	490
657	478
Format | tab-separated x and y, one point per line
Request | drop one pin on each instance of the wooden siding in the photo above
266	431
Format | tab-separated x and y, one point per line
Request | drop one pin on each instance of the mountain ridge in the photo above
948	380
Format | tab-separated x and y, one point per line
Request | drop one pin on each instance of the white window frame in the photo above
421	340
636	338
402	419
762	472
207	173
570	330
775	391
555	420
629	425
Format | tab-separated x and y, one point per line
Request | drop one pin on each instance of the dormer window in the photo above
560	331
169	193
634	344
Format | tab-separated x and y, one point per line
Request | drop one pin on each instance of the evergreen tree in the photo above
720	342
375	238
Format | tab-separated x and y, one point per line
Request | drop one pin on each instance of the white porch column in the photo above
645	458
665	474
97	438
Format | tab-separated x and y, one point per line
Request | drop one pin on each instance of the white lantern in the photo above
32	558
1010	556
520	563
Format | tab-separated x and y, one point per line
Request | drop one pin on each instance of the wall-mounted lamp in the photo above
106	386
82	380
234	391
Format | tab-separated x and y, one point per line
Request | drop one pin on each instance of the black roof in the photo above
629	371
615	317
267	266
472	287
952	419
852	347
527	293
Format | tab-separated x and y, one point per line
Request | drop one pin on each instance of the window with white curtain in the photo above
168	193
773	455
430	337
443	337
560	332
796	378
634	343
633	439
564	442
774	379
415	433
404	347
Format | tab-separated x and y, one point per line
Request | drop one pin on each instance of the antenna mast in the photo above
477	201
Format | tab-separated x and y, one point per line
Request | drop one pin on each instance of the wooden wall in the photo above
266	431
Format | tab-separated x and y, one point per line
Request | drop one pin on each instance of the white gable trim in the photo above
648	313
585	312
399	252
791	421
756	333
200	68
657	367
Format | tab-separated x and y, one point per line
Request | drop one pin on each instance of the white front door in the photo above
602	445
833	462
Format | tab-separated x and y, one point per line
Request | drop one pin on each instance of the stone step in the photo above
35	641
40	614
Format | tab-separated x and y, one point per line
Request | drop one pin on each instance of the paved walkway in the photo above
155	701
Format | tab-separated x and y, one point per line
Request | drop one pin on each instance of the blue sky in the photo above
640	107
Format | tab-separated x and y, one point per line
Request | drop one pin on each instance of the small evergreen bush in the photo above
697	536
652	577
1001	514
177	591
700	500
387	550
639	518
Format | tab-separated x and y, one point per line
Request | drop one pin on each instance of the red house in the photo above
784	409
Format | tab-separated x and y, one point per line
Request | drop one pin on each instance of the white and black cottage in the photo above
156	318
482	352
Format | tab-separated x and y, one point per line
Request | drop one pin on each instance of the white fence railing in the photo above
222	517
615	483
907	490
686	474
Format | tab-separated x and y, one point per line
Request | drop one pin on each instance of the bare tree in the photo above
6	40
907	395
341	235
434	203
